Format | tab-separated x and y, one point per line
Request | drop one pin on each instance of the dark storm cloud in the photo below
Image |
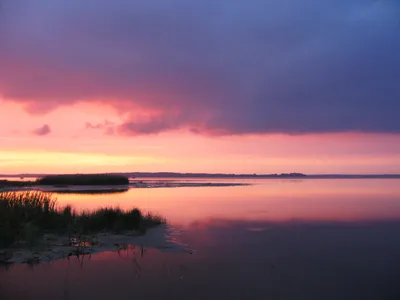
217	67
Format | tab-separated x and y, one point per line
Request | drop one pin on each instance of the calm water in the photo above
275	239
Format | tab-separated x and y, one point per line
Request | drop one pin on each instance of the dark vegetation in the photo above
26	216
10	183
83	179
68	180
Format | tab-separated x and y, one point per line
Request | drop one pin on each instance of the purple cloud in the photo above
107	127
43	130
102	125
215	67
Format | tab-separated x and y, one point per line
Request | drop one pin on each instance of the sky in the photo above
232	86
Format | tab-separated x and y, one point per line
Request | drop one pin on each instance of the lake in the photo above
272	239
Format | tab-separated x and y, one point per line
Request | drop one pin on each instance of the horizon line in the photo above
294	174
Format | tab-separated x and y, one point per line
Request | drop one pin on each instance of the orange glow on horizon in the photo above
70	147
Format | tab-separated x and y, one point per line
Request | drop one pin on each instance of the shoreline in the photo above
55	247
17	186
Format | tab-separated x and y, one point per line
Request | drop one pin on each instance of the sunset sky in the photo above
262	86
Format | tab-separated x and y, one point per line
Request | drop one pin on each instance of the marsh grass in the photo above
84	179
27	216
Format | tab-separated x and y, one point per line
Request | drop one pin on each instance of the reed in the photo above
26	216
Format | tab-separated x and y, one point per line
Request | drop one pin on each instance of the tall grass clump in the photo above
26	216
84	179
22	214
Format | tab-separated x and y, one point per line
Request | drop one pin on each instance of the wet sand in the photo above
58	247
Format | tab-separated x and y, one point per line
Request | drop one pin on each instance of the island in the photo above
83	179
77	183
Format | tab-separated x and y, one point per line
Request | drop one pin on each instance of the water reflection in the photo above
291	260
92	192
311	239
272	200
